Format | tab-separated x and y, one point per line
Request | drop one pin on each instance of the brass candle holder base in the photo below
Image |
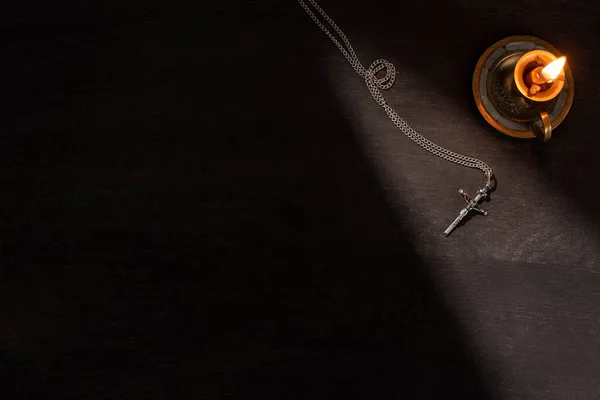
500	101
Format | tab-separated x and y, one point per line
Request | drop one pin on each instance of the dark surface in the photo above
202	201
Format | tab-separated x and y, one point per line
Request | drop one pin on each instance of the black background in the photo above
201	200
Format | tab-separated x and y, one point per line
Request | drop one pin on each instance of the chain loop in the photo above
390	74
375	85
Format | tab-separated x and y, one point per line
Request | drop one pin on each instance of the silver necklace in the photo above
375	85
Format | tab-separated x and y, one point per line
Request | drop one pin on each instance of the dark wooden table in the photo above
203	201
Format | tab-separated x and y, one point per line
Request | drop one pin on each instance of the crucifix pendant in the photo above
472	205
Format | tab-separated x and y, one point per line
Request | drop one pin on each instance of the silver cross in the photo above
472	205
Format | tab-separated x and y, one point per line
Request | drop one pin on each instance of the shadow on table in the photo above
255	257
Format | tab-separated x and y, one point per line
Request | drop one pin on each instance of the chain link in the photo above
375	85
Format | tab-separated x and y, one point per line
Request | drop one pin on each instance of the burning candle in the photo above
521	92
542	75
539	75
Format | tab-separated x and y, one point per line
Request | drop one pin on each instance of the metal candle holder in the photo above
505	103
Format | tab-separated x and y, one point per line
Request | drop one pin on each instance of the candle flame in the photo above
553	70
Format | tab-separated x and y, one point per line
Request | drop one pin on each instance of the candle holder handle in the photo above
542	128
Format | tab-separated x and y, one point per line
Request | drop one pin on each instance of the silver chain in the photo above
375	85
